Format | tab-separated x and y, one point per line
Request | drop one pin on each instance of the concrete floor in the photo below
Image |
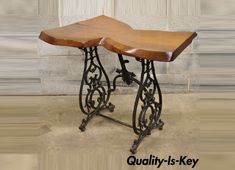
40	133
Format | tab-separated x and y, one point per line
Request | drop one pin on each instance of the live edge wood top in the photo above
119	37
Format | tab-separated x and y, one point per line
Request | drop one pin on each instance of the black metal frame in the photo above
145	118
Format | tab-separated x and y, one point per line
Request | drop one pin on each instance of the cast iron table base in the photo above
95	91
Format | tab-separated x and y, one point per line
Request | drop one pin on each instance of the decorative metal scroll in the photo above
146	98
149	112
93	95
95	92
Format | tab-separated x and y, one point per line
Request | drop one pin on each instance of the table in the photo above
146	46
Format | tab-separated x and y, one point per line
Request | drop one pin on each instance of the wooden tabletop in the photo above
119	37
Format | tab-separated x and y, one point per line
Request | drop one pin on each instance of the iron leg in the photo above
93	96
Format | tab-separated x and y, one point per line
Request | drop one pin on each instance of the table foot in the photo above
85	121
160	124
134	147
82	127
143	134
110	107
137	142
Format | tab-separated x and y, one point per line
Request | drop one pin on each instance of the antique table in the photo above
146	46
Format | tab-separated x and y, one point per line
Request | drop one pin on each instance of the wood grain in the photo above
120	38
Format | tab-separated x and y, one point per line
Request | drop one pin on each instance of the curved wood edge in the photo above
63	42
119	48
114	46
184	45
110	45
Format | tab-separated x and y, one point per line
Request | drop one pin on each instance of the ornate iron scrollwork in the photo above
93	96
150	110
147	116
95	92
